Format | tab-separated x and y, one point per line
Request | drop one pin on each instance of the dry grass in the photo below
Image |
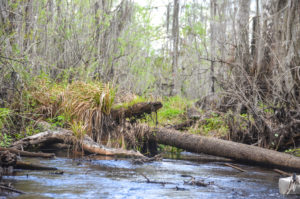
87	104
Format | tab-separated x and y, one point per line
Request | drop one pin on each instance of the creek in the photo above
105	177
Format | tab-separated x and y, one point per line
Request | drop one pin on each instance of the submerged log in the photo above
224	148
30	166
28	154
60	135
8	188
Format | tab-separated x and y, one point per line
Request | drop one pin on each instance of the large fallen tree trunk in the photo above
60	135
223	148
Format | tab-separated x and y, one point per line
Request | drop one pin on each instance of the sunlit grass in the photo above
137	99
76	102
173	110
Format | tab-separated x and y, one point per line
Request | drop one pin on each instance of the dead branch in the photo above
10	189
60	135
282	172
235	167
28	154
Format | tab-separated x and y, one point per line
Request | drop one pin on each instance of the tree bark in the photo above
137	110
228	149
28	154
175	37
7	159
30	166
213	8
66	136
243	35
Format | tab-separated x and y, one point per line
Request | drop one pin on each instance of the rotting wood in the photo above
236	151
30	166
28	154
7	159
235	167
135	111
60	135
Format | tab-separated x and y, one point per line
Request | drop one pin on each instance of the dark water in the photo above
109	178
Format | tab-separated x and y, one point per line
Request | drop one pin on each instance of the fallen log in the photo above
224	148
60	135
27	153
30	166
135	111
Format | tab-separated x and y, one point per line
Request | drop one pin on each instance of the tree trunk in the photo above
228	149
243	36
213	8
175	37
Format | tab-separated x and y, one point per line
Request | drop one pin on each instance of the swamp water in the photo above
102	177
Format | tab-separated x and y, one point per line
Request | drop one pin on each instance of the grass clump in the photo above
173	110
68	105
136	99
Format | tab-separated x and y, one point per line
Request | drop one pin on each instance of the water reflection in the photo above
107	177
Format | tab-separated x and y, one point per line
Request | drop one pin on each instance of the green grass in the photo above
173	110
136	100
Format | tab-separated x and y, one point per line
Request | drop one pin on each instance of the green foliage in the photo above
5	121
58	121
5	140
30	129
4	116
173	110
78	129
169	149
295	152
215	125
137	99
265	108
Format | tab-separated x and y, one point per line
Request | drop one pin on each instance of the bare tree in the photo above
175	37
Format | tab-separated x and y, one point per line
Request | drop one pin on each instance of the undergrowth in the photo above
173	110
66	105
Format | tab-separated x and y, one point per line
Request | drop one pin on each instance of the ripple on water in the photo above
122	179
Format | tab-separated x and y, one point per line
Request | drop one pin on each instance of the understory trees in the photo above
243	53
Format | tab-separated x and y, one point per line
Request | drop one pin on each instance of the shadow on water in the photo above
103	177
